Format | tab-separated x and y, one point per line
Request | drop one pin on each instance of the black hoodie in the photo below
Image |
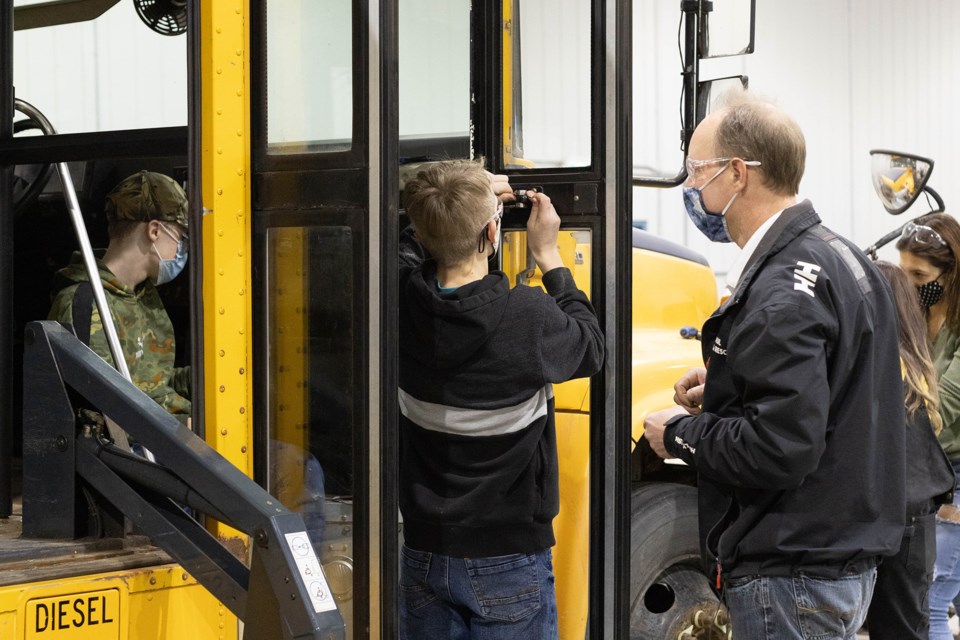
478	465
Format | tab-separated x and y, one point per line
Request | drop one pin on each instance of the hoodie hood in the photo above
76	272
449	329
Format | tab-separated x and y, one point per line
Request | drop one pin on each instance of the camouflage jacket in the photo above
143	327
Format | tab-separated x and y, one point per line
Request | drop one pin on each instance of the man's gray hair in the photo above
753	128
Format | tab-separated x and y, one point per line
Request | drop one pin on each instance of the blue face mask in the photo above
712	225
170	269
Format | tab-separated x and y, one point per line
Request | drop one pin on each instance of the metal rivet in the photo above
222	388
223	432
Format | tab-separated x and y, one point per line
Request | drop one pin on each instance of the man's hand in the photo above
688	391
653	429
543	227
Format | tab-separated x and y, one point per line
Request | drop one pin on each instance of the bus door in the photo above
551	110
324	216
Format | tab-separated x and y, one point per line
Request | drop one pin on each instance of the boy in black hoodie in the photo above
478	466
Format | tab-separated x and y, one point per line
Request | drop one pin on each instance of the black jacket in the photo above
800	446
478	454
930	477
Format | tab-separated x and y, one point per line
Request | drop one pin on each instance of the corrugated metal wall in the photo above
857	75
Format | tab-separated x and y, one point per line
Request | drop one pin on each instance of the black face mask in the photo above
930	293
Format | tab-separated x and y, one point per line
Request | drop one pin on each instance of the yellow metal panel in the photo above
225	128
572	400
685	294
157	603
572	525
660	357
288	339
575	250
507	72
670	292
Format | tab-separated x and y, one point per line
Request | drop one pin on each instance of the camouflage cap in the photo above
146	196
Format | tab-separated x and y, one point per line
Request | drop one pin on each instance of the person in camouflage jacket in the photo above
147	226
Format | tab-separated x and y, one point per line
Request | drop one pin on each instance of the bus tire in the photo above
667	583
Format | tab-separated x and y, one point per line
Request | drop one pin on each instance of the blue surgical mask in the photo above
712	225
170	269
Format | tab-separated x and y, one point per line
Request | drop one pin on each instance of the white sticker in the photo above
310	571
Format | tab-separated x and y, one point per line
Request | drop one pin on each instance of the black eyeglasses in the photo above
497	216
922	234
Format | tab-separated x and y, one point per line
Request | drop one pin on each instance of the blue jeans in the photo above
801	607
498	598
946	572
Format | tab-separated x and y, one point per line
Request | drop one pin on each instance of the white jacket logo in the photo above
806	277
718	347
684	445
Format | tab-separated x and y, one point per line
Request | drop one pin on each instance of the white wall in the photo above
856	75
84	77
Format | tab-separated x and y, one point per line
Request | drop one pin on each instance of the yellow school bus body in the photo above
163	602
157	603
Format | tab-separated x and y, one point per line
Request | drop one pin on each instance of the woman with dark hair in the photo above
928	249
898	610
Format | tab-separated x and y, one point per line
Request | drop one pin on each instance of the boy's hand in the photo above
543	226
501	187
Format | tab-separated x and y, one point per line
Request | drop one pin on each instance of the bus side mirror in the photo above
898	178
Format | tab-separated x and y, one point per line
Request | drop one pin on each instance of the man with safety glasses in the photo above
795	425
147	226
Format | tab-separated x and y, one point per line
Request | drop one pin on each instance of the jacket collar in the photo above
791	223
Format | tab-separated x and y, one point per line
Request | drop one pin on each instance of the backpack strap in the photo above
82	310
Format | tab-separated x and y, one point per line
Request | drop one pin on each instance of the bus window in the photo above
434	66
117	83
572	404
311	369
309	76
546	84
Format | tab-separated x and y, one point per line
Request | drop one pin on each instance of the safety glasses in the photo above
497	216
922	235
693	166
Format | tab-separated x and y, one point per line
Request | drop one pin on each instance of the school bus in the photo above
292	125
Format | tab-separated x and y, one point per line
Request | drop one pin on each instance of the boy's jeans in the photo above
498	598
801	607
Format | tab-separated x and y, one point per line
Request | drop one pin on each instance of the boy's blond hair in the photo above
449	203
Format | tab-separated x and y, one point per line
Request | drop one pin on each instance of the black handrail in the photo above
276	592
